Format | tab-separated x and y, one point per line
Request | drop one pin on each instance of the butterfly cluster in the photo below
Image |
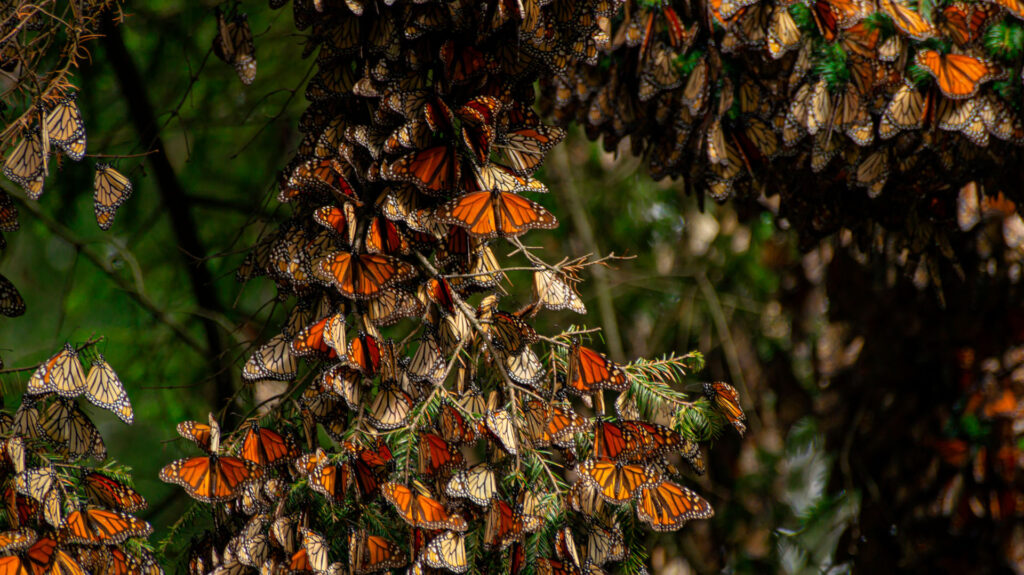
856	114
438	429
60	516
978	462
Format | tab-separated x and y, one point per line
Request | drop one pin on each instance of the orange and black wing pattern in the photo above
421	511
267	447
727	400
492	214
211	479
590	372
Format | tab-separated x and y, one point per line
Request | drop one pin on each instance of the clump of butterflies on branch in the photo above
43	126
61	515
976	475
425	424
869	117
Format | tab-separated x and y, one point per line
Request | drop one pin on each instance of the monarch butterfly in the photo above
819	108
421	511
783	33
377	455
390	408
332	481
72	431
198	433
363	276
61	374
104	389
251	547
371	553
42	557
524	368
64	127
565	546
233	44
367	477
506	332
525	148
20	508
447	551
11	303
211	479
637	440
907	20
854	119
99	526
617	483
438	456
501	427
552	424
477	129
273	360
958	76
110	190
964	22
434	170
553	293
393	305
590	372
452	426
336	219
667	506
479	484
455	328
26	419
439	291
316	550
17	540
504	525
13	453
490	214
658	73
111	493
498	178
727	400
26	165
463	63
310	341
266	447
343	381
306	463
604	545
834	15
428	363
906	110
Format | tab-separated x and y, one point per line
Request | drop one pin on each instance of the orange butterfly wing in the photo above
267	447
211	479
496	214
589	371
434	170
668	506
958	76
617	483
112	493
